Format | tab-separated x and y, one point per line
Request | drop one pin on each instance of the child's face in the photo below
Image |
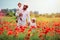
19	5
33	21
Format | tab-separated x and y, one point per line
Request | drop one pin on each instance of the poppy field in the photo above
46	29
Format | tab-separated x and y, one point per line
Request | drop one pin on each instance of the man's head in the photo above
19	4
25	7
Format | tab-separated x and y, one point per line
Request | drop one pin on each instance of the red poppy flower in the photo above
29	30
28	35
10	32
52	29
56	24
22	30
25	26
32	27
1	33
47	30
17	29
38	26
21	27
16	33
1	29
41	34
6	27
58	31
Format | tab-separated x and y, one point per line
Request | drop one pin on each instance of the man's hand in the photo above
28	23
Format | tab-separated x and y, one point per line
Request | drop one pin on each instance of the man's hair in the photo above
26	6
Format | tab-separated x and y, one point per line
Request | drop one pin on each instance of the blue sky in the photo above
43	6
9	3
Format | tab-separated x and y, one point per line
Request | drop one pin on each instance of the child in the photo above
33	23
18	11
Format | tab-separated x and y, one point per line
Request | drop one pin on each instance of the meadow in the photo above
46	29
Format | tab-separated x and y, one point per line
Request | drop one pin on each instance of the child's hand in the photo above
21	19
20	14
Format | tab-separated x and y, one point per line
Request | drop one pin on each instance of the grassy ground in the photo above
38	19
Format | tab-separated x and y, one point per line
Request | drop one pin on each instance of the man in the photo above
23	15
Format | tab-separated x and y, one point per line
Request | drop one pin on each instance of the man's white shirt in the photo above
26	15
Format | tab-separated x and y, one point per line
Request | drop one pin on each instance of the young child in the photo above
18	11
33	23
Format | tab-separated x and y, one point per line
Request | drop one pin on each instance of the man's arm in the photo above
28	18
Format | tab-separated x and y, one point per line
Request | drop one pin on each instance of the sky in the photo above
42	6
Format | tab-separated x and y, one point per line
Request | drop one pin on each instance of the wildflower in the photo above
10	32
1	30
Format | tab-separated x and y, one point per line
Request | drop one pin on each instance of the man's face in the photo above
25	7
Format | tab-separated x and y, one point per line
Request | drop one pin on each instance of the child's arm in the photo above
17	15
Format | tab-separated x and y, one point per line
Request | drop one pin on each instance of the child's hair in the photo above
19	3
26	6
33	20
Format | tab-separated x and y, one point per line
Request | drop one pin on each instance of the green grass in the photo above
6	18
